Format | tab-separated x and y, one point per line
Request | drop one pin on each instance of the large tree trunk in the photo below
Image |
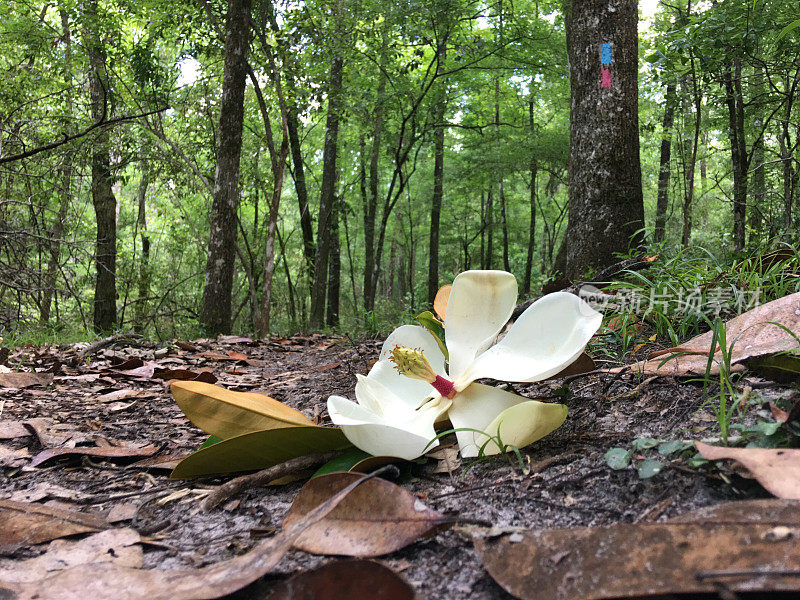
662	201
787	159
489	224
215	312
105	204
65	173
735	103
438	184
606	208
327	196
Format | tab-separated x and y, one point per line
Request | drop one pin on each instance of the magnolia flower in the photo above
412	385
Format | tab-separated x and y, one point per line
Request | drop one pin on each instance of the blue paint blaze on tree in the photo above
605	53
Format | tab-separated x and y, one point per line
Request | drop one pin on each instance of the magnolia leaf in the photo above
210	441
351	579
259	450
377	518
778	470
435	327
441	300
342	463
226	414
524	424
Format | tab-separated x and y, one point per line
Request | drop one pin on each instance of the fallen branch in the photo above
263	477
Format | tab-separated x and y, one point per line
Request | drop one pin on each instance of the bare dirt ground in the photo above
569	483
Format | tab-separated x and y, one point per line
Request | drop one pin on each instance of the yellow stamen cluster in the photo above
412	363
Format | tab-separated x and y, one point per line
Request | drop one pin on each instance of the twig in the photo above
95	347
294	465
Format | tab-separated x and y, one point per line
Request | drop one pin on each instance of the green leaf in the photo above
210	441
618	458
345	462
644	443
429	321
648	468
259	450
788	29
673	446
697	460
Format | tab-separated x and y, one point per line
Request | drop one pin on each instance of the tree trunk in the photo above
300	187
438	184
534	169
662	202
688	199
334	269
371	207
105	204
65	172
733	99
759	180
489	223
215	312
606	208
144	260
787	158
327	196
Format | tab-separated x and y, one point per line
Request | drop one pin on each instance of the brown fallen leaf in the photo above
345	580
441	300
105	580
29	524
755	333
164	463
24	380
126	365
184	375
10	430
770	510
110	453
13	458
124	394
583	364
778	470
116	547
644	559
378	518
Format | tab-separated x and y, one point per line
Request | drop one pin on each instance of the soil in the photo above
569	483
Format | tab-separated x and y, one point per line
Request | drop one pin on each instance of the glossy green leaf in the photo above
434	325
259	450
210	441
342	463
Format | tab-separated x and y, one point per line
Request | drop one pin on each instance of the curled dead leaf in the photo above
778	470
377	518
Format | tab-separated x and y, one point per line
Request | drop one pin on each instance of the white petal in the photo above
549	336
411	391
481	302
520	421
475	408
408	438
377	398
524	424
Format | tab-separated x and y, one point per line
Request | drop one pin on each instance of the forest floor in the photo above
92	401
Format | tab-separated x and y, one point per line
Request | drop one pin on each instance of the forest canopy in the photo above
336	162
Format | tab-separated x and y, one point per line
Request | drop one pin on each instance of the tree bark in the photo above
759	179
662	201
438	183
606	207
327	196
306	226
105	204
144	260
215	312
334	269
735	103
489	223
534	169
371	208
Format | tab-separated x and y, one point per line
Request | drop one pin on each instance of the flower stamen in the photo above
412	363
